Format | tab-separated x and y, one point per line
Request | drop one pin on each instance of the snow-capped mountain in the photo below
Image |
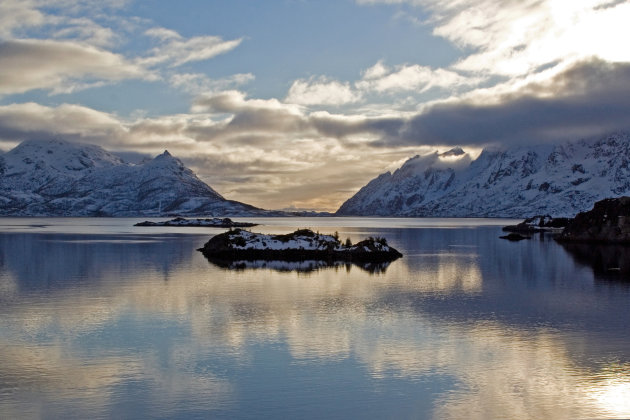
60	178
559	180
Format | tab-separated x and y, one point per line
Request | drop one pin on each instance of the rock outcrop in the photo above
607	222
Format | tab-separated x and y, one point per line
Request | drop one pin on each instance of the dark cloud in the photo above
590	98
587	99
71	122
340	127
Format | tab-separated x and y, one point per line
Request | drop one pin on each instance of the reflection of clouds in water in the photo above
179	387
88	384
49	369
448	273
8	285
506	374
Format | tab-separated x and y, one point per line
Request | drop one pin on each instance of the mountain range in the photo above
560	180
60	178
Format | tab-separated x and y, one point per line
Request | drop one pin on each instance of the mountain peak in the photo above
166	153
455	151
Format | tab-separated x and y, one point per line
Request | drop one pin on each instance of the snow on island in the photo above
303	244
214	222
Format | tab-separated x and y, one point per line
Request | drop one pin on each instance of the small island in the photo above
303	244
214	222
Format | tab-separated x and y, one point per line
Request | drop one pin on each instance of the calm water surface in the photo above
102	319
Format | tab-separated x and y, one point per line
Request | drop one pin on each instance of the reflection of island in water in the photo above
609	262
305	266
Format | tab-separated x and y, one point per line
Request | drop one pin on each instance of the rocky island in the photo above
217	222
303	244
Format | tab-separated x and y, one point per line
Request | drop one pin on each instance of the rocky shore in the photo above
607	222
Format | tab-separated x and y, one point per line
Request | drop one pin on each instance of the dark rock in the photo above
514	237
215	222
607	222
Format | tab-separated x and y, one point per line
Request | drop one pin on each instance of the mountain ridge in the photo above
522	181
62	178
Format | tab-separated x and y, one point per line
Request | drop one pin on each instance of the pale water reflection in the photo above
108	323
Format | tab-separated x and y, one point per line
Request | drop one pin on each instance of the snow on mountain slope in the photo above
519	182
55	177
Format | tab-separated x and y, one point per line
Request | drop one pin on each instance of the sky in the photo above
296	104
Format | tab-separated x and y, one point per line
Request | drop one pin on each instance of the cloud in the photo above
62	46
58	66
321	91
252	115
587	99
516	37
73	122
88	32
17	14
60	19
197	83
163	34
382	79
175	50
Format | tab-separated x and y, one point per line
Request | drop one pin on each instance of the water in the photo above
102	319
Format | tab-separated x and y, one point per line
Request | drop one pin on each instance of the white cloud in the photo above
88	32
59	66
515	37
198	83
321	91
380	78
163	34
175	50
377	71
70	20
15	14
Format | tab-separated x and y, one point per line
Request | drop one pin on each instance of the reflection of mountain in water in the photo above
55	261
609	262
305	266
